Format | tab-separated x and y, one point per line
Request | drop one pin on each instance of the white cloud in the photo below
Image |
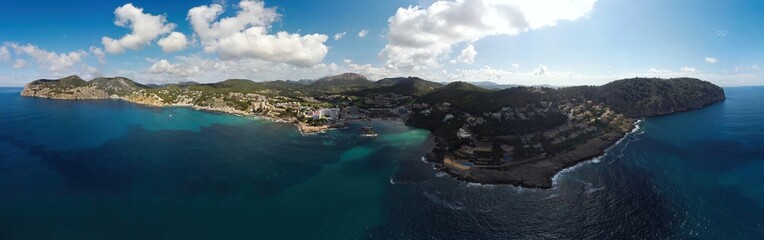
174	42
541	70
52	61
339	36
755	67
202	69
20	63
421	37
722	33
245	35
687	69
710	60
163	66
5	55
363	33
144	29
98	52
515	65
655	70
467	55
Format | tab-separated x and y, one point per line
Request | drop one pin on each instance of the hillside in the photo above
116	85
635	97
409	86
73	87
341	83
473	99
459	94
643	97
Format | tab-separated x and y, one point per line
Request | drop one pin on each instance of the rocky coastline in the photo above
522	136
536	173
154	101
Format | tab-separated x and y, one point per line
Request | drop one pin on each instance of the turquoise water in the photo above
115	170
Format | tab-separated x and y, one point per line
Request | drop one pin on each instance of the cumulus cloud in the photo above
164	66
515	65
246	35
98	52
174	42
687	69
363	33
144	29
421	37
339	36
710	60
52	61
467	55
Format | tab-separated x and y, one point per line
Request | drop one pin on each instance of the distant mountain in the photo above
302	81
493	85
341	83
241	85
410	86
498	86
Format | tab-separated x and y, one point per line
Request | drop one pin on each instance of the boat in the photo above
368	132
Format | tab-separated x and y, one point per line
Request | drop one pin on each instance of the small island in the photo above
516	135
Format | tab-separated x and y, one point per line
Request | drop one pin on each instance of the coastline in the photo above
537	173
303	128
605	152
532	172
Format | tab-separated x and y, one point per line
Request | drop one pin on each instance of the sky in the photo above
528	42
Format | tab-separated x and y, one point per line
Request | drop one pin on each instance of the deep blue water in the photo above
115	170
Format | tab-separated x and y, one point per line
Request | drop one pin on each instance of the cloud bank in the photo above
246	35
420	38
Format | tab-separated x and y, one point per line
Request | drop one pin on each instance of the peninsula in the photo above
516	135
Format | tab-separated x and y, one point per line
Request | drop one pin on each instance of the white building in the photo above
328	113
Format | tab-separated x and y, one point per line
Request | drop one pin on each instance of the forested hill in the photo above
635	97
644	97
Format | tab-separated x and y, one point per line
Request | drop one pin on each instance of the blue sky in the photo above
558	42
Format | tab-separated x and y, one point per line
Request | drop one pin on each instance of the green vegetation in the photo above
639	97
469	98
510	127
410	86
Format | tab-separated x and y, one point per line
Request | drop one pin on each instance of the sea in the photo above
108	169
